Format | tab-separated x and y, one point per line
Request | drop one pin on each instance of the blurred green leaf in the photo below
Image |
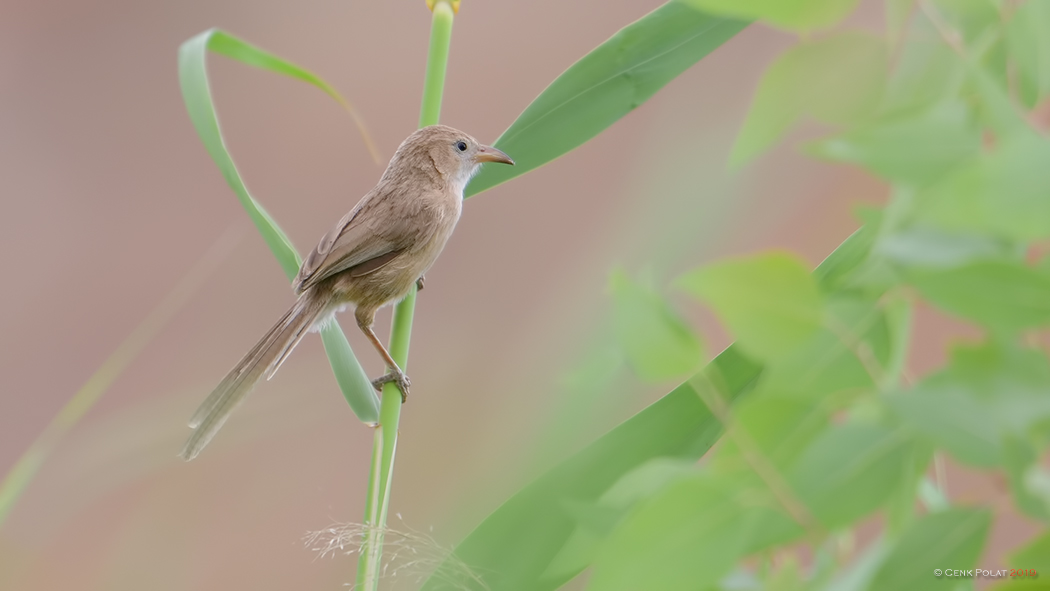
900	510
951	539
781	425
912	149
922	246
897	14
638	484
827	363
787	576
849	471
898	312
998	294
196	93
954	420
688	536
1002	194
659	345
606	84
970	17
1029	482
515	544
835	271
858	575
986	394
997	109
646	480
925	74
837	80
769	302
794	15
1028	40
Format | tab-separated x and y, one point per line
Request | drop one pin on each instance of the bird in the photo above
372	257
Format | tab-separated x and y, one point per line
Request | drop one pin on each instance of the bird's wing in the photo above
368	237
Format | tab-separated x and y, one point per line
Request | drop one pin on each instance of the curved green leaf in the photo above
950	540
606	84
658	343
999	294
849	471
770	302
836	80
196	93
687	537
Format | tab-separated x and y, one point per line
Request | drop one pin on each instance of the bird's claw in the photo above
400	378
419	283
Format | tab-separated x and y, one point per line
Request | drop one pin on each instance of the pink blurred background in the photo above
109	200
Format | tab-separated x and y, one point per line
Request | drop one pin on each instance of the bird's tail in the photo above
263	360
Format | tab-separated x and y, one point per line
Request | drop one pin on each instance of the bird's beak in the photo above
490	154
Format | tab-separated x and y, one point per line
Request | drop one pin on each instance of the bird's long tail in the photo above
263	360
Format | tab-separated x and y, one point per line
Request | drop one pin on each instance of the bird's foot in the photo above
399	378
419	283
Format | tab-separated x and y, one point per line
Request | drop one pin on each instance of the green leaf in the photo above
987	395
952	419
858	575
927	72
787	576
515	544
782	426
837	80
835	271
971	17
900	510
770	302
998	294
829	362
513	547
1004	193
922	246
638	484
794	15
193	79
1028	40
951	539
1029	482
997	108
912	149
659	345
606	84
849	471
897	14
685	538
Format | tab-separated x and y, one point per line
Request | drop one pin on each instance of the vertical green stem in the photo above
385	442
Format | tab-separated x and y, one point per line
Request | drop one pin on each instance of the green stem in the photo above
385	442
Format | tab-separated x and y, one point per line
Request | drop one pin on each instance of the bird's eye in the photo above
461	146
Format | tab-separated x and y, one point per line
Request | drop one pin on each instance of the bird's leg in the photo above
383	379
396	375
419	283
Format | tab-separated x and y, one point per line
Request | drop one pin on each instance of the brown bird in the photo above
371	258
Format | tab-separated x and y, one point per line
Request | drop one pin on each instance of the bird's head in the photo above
454	155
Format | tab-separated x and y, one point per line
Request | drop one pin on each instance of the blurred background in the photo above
109	205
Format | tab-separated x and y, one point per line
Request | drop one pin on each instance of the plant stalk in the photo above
385	442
